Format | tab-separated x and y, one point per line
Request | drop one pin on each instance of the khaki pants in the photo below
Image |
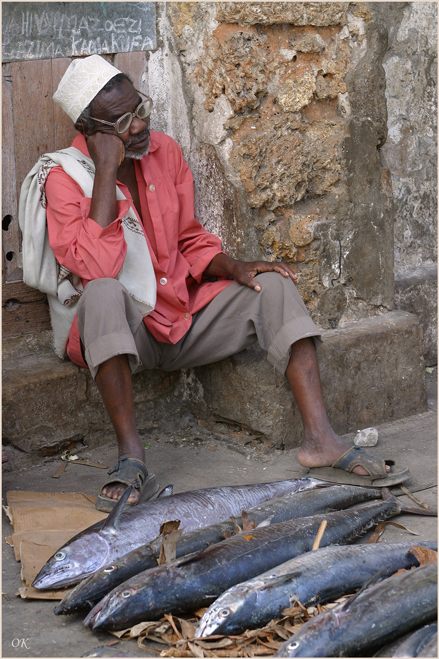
110	324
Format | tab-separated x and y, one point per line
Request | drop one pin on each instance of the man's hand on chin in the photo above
106	150
244	272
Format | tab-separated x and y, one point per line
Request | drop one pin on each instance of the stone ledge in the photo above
50	405
372	371
416	292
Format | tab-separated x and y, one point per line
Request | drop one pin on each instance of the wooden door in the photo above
32	124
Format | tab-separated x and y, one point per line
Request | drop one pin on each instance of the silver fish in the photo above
412	644
370	618
318	576
430	649
189	583
289	506
124	530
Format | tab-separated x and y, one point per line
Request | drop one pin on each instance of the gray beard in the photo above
136	155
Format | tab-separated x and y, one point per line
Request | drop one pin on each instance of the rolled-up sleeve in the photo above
79	243
194	242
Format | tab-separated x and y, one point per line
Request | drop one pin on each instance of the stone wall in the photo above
280	110
410	152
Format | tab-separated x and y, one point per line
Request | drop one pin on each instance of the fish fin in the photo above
386	495
368	583
418	511
166	492
189	557
112	521
279	580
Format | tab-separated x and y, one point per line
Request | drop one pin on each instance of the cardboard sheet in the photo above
42	523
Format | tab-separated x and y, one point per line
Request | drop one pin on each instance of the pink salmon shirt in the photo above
180	248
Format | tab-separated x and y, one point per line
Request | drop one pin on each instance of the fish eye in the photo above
293	645
126	593
224	613
59	556
110	568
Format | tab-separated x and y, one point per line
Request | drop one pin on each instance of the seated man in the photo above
126	205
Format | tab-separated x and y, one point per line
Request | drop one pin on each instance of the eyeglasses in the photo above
142	111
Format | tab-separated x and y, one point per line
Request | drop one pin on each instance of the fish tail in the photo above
388	496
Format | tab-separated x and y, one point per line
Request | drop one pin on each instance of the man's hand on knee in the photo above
244	272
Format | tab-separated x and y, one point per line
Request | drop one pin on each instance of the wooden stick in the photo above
319	535
415	499
60	470
89	464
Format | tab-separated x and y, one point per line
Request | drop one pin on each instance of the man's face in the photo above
111	105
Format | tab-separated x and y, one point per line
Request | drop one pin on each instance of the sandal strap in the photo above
356	457
128	471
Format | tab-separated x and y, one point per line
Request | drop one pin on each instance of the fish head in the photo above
75	561
317	636
89	591
115	609
291	648
230	613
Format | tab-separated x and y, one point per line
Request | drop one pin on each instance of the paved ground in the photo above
193	457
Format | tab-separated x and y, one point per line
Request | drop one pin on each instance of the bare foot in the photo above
323	451
115	491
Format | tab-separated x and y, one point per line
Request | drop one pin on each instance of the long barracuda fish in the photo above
316	577
124	530
189	583
374	616
292	505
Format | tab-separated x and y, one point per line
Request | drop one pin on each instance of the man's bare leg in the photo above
115	385
321	446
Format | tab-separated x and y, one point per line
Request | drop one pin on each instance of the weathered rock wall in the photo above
280	111
410	152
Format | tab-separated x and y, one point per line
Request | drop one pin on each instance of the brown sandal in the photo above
128	471
342	470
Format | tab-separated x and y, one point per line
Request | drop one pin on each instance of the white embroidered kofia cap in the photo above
81	82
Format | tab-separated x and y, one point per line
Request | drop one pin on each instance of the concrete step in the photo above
416	292
372	371
50	405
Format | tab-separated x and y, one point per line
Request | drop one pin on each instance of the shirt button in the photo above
152	188
163	281
186	316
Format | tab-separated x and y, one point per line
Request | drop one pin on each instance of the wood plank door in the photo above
32	125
